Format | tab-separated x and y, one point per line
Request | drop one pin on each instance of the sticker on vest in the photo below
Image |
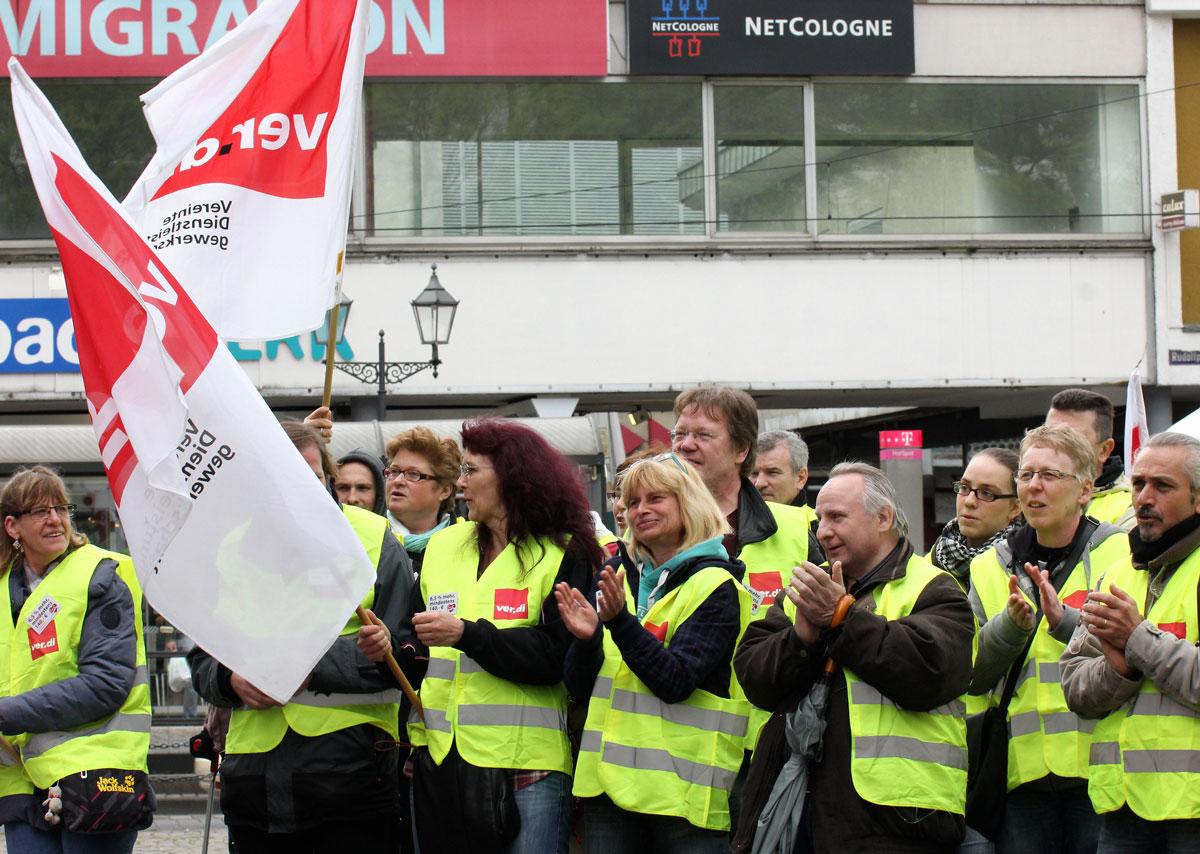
764	587
43	614
44	642
511	604
446	603
1076	599
659	631
1177	629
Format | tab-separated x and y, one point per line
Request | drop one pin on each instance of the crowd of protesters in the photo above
736	671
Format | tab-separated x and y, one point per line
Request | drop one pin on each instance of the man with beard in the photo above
1141	674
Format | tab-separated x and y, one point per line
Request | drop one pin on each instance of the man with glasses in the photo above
1027	592
1134	663
1092	415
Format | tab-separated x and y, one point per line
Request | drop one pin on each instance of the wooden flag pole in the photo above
9	751
331	335
393	665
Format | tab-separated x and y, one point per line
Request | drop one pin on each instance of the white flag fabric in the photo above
235	541
1136	430
247	197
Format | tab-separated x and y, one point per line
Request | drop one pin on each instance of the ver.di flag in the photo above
247	197
235	541
1136	430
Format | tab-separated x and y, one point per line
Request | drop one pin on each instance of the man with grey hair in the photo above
892	772
780	471
1133	662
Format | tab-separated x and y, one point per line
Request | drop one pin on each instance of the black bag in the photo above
107	800
463	807
987	757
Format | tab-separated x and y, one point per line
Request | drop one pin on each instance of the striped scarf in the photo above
952	553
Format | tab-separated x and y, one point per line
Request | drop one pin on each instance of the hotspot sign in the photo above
37	336
763	37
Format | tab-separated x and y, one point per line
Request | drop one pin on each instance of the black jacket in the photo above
755	523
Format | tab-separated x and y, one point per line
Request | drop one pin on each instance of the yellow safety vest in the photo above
1112	506
769	565
900	757
13	779
494	722
671	759
1045	737
810	515
1147	753
43	649
312	714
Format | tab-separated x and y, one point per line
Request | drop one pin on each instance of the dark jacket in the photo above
920	662
701	648
755	523
373	463
345	775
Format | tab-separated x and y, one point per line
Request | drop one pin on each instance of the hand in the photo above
374	640
322	419
577	613
1116	660
1052	607
815	593
611	599
1112	617
437	628
1019	609
251	697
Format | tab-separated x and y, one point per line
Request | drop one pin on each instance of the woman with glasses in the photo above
420	477
653	651
986	511
493	758
1026	592
76	702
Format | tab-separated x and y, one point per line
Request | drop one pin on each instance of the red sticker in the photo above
512	604
659	631
1076	599
44	642
1177	629
768	583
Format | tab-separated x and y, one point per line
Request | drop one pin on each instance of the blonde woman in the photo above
653	648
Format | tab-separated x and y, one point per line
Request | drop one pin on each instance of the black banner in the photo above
770	37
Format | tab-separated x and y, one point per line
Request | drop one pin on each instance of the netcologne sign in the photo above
765	37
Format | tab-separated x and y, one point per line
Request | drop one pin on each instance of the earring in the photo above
17	543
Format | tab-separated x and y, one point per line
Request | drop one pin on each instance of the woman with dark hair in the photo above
493	758
986	511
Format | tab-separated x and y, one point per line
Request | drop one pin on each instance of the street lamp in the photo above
434	310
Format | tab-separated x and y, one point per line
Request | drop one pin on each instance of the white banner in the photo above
247	197
234	540
1137	433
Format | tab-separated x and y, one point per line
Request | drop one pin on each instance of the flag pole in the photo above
331	334
393	665
9	751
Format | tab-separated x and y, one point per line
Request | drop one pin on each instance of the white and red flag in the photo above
1136	431
247	197
235	541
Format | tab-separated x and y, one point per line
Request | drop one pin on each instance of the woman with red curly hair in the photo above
493	758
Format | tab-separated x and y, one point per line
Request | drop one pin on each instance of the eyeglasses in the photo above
981	492
411	475
1047	475
466	469
700	437
41	514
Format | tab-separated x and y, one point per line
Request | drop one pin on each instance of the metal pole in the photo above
382	410
435	361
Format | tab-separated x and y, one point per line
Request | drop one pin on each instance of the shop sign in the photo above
427	38
771	37
900	444
1180	210
37	336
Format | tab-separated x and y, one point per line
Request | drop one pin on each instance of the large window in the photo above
106	122
977	159
463	159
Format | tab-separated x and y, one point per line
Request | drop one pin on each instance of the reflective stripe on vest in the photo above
901	757
669	759
769	566
311	714
1146	754
119	741
1045	736
493	722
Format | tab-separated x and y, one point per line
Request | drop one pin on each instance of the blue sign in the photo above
37	336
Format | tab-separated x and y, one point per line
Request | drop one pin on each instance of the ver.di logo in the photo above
685	20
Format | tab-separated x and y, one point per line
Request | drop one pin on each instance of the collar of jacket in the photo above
1176	553
755	522
1112	476
892	567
